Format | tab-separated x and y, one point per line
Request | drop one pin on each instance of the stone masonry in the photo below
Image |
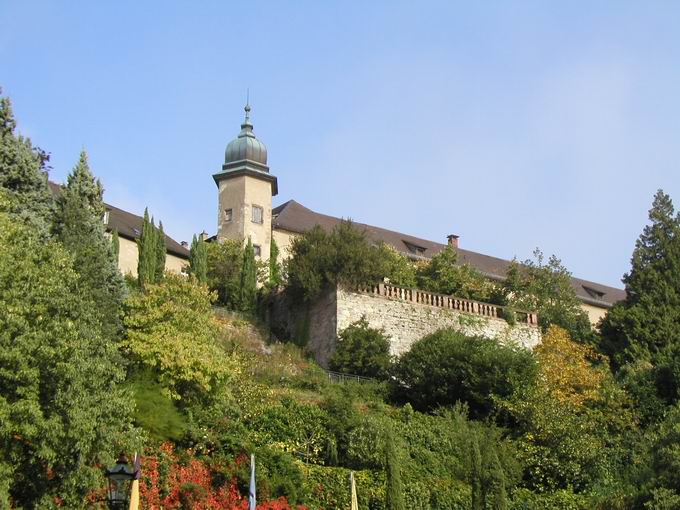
406	315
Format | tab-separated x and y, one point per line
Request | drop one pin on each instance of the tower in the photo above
245	190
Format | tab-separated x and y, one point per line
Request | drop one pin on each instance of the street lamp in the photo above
120	479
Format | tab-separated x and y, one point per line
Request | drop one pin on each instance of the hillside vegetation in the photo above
181	369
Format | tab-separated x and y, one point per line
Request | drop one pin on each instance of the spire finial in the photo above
247	108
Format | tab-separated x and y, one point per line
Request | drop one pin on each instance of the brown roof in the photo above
294	217
129	226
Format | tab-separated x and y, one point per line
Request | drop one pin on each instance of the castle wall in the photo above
406	315
283	239
406	321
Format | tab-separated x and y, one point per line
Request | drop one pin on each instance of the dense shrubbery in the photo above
446	367
362	350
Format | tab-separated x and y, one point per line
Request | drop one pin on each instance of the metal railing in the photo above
340	378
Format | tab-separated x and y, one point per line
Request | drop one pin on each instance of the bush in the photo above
362	350
447	366
171	331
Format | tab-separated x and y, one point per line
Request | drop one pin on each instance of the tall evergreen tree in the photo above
63	412
647	323
248	282
146	252
79	225
394	497
274	266
198	259
115	245
493	486
23	175
478	502
160	253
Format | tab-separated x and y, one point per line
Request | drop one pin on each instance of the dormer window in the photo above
414	248
595	294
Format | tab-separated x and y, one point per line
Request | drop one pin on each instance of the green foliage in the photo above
225	260
146	248
545	288
79	225
171	331
248	281
476	474
23	175
447	366
62	410
275	277
444	275
115	245
394	498
342	257
155	412
396	267
159	252
362	350
198	259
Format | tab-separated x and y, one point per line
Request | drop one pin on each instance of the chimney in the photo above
453	240
184	244
203	236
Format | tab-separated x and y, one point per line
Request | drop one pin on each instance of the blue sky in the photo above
513	124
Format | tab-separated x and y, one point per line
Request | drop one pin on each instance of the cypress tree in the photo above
198	259
476	474
160	253
394	498
146	248
493	486
274	267
79	225
23	175
115	245
248	282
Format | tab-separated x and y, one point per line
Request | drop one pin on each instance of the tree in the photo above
647	322
394	497
79	225
160	252
396	267
23	175
115	245
545	288
476	474
198	259
275	278
171	331
444	275
62	410
225	260
248	282
151	252
362	350
448	366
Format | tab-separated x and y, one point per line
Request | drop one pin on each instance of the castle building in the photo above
245	191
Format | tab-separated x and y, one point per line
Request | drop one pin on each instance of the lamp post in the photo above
120	479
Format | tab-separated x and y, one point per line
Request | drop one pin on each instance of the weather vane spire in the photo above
247	108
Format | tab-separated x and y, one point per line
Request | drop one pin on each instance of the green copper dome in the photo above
246	146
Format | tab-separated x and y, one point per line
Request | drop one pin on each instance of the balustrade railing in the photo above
450	302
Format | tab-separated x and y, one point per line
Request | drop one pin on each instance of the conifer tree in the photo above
394	498
647	323
248	282
146	248
160	253
478	502
79	225
493	485
198	259
23	175
274	266
115	245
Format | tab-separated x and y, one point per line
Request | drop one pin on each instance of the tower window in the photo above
228	214
257	214
257	250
